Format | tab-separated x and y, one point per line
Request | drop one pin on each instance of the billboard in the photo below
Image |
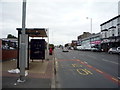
37	49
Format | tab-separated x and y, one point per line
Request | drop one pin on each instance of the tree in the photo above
51	46
11	36
66	45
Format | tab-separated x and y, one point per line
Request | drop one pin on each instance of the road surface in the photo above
86	69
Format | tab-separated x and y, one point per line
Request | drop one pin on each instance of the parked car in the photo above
65	49
95	49
114	50
79	47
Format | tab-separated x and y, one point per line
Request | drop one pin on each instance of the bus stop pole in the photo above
23	45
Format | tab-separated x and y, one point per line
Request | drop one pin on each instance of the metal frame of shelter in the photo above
31	32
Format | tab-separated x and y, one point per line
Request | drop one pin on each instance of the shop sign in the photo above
96	42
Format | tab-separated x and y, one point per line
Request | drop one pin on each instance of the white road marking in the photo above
82	54
109	61
85	62
74	57
92	56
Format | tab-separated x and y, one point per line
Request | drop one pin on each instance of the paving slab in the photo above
9	82
39	76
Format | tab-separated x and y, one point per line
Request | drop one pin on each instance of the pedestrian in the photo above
50	51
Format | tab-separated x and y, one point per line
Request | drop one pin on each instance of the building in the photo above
80	37
119	8
84	35
8	49
74	44
9	43
110	33
93	41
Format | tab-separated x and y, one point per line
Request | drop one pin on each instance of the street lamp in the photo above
90	24
90	28
23	45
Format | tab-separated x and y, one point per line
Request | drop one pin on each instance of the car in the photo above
65	49
95	49
80	48
114	50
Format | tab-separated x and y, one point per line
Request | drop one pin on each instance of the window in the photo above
105	34
118	31
111	23
92	39
118	19
103	27
113	32
108	25
114	22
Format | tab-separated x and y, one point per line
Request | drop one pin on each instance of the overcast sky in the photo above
66	19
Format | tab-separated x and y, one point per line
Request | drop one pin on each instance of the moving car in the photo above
114	50
65	49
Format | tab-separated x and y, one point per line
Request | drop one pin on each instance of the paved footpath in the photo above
40	75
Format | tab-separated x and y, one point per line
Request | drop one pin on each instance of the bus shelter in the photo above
32	32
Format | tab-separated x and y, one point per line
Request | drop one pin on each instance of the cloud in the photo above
66	19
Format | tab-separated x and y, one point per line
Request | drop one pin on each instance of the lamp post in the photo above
90	29
90	24
23	45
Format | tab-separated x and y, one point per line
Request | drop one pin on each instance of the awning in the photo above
35	32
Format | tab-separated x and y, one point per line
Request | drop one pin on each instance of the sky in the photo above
65	19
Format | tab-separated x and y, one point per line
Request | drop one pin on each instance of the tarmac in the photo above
40	75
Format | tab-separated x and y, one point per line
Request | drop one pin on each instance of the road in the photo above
86	69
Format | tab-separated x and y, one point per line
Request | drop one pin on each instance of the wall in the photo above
9	54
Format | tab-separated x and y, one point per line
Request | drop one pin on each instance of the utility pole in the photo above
23	45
